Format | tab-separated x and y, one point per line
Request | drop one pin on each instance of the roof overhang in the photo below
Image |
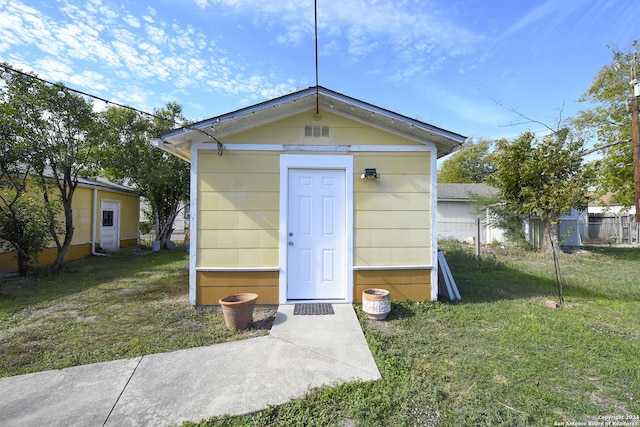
179	141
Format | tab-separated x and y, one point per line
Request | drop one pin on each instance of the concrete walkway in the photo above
189	385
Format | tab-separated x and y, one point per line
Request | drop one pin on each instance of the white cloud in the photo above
406	30
132	21
202	4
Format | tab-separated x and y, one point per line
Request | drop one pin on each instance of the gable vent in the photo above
316	131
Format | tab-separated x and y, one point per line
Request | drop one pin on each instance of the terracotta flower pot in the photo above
238	309
376	303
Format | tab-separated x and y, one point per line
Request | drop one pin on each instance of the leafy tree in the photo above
23	214
544	177
162	179
59	132
472	164
609	122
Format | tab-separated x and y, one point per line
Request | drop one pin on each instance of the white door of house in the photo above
316	234
110	225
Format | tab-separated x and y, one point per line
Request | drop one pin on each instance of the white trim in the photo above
318	161
193	225
238	269
434	224
391	267
315	148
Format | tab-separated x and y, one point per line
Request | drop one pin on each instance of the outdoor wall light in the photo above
370	173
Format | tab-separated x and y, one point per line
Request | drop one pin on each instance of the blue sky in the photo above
445	62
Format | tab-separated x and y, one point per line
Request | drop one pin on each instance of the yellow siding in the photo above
392	218
238	199
213	285
82	206
342	131
412	285
238	210
46	257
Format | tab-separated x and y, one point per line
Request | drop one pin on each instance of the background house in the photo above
312	196
457	215
105	217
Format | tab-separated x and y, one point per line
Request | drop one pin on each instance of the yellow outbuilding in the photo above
105	217
313	196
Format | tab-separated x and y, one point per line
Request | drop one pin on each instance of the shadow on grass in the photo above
487	278
620	253
78	276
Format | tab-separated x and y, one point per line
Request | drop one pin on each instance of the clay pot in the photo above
376	303
238	309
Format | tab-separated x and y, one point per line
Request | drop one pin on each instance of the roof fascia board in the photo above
242	112
158	143
387	129
391	115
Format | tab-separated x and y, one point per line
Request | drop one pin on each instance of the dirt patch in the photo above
381	326
263	318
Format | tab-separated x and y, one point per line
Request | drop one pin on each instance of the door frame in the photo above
319	161
116	219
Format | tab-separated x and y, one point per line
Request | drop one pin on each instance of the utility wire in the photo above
62	87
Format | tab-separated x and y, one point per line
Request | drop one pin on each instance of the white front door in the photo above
316	234
110	225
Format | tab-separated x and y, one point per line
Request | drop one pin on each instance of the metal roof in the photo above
463	192
179	141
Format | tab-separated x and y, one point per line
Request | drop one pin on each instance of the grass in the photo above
105	308
498	357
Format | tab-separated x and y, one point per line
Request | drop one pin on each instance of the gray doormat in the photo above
313	309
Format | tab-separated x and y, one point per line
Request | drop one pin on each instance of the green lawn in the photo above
105	308
500	356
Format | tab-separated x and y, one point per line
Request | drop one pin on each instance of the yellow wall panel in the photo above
240	200
240	220
213	285
392	256
343	131
8	263
393	201
251	162
230	182
413	285
396	220
82	206
240	239
389	238
238	257
388	183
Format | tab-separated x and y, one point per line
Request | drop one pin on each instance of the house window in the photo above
107	218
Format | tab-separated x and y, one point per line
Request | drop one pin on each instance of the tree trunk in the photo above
551	244
551	236
68	236
23	263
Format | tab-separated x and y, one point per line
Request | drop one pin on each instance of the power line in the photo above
9	70
6	75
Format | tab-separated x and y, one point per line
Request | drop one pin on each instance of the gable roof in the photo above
102	183
463	192
179	141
